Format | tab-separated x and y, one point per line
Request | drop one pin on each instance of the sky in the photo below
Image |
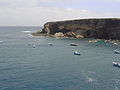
38	12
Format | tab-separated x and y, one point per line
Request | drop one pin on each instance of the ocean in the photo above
23	67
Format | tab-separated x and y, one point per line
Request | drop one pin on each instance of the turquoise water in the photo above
45	67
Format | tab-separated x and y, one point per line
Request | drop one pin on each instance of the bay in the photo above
45	67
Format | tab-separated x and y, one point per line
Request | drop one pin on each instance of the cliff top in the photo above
85	19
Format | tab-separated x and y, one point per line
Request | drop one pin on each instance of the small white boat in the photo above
73	44
34	46
117	52
76	53
51	44
116	64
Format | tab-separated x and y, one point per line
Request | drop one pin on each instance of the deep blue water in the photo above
45	67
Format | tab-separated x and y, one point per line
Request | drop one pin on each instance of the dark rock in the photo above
106	28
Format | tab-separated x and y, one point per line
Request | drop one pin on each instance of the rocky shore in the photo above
104	28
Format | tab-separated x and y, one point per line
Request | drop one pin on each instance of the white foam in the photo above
116	80
88	79
116	88
91	72
1	41
30	35
26	31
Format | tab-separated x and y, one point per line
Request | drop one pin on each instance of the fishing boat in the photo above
116	64
73	44
76	53
117	52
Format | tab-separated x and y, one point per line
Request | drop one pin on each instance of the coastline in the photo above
106	29
95	40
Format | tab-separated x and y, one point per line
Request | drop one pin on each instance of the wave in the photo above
1	41
116	88
30	35
91	72
26	31
88	79
116	80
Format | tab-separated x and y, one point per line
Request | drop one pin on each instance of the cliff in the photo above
106	28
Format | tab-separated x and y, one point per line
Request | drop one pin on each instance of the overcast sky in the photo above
38	12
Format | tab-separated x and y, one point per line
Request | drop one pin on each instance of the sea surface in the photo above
44	67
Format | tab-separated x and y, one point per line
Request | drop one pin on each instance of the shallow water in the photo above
45	67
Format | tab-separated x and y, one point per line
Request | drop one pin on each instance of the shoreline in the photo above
116	42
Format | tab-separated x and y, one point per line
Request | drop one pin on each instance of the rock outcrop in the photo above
106	28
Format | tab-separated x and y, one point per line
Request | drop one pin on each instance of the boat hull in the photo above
116	64
73	44
117	52
76	53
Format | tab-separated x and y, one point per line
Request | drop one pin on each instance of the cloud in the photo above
31	12
38	3
40	15
24	3
112	0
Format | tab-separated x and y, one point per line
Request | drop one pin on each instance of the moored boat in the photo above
116	64
117	52
34	46
51	44
76	53
73	44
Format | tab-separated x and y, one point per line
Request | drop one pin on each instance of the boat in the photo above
117	52
73	44
76	53
116	64
34	46
51	44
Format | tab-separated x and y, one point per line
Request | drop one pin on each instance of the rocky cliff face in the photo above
88	28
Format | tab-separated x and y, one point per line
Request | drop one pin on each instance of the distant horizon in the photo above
21	26
55	21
